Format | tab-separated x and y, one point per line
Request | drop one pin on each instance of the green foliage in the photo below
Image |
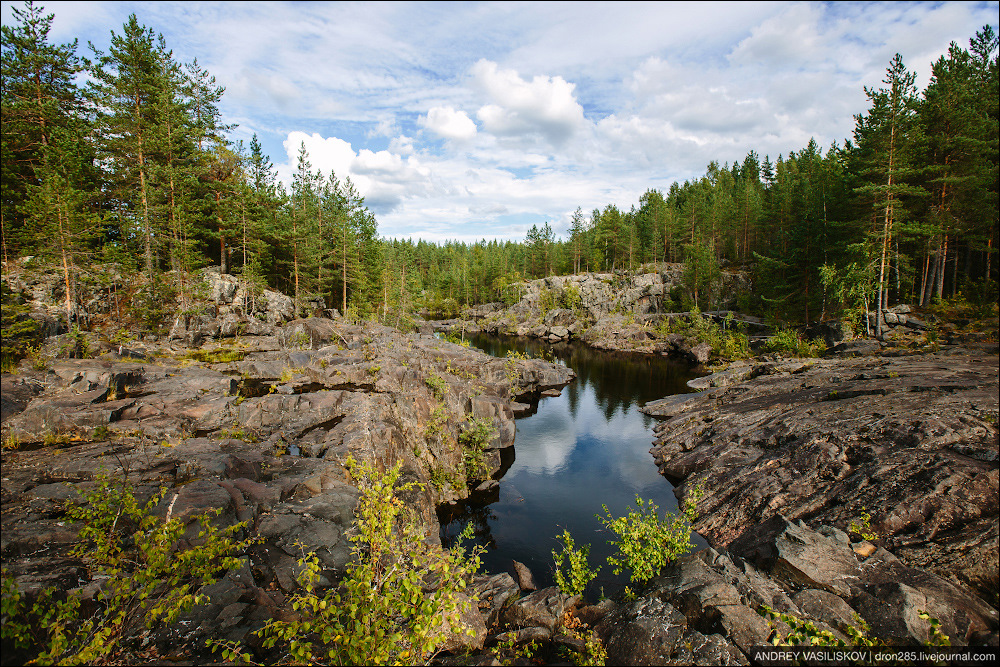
509	651
511	370
440	478
76	346
976	301
728	341
646	543
437	422
570	297
701	274
937	636
219	355
438	386
573	572
806	633
863	526
457	339
400	598
593	654
18	332
786	341
475	437
146	579
300	340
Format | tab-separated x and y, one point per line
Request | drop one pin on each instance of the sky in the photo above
468	121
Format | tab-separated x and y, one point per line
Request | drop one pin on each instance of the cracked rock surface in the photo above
262	437
912	441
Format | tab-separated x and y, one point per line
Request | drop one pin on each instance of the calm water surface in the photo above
587	447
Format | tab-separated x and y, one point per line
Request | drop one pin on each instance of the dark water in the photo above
583	449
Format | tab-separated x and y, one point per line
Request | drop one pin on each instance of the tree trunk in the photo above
942	260
923	281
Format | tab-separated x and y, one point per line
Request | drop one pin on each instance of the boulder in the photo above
542	609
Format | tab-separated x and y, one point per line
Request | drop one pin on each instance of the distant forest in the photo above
130	178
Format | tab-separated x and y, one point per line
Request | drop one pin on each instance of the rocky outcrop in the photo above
706	608
612	311
911	441
713	607
260	432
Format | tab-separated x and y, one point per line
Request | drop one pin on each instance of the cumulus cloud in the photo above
541	109
545	105
327	154
448	123
384	178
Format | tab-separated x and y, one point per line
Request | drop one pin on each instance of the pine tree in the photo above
57	211
886	140
577	232
125	86
38	98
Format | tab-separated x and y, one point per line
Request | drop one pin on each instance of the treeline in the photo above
906	210
133	171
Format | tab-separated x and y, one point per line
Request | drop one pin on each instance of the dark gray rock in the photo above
909	440
525	580
493	592
542	609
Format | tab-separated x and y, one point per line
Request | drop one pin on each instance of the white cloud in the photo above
448	123
545	105
789	39
327	154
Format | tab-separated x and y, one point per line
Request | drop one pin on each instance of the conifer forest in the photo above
118	162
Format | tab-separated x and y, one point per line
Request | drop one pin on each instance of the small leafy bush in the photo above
457	339
806	633
147	580
474	439
573	572
786	341
438	386
646	543
863	525
728	342
399	599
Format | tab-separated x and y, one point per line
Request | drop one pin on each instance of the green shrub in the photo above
147	580
570	297
438	386
808	634
786	341
457	339
728	342
863	525
573	572
646	543
399	599
475	437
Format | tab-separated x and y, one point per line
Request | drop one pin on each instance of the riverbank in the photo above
259	430
253	417
911	441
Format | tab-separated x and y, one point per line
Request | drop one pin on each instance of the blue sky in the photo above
477	120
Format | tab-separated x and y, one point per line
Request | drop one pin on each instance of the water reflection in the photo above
586	448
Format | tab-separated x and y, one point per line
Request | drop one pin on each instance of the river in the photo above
586	448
